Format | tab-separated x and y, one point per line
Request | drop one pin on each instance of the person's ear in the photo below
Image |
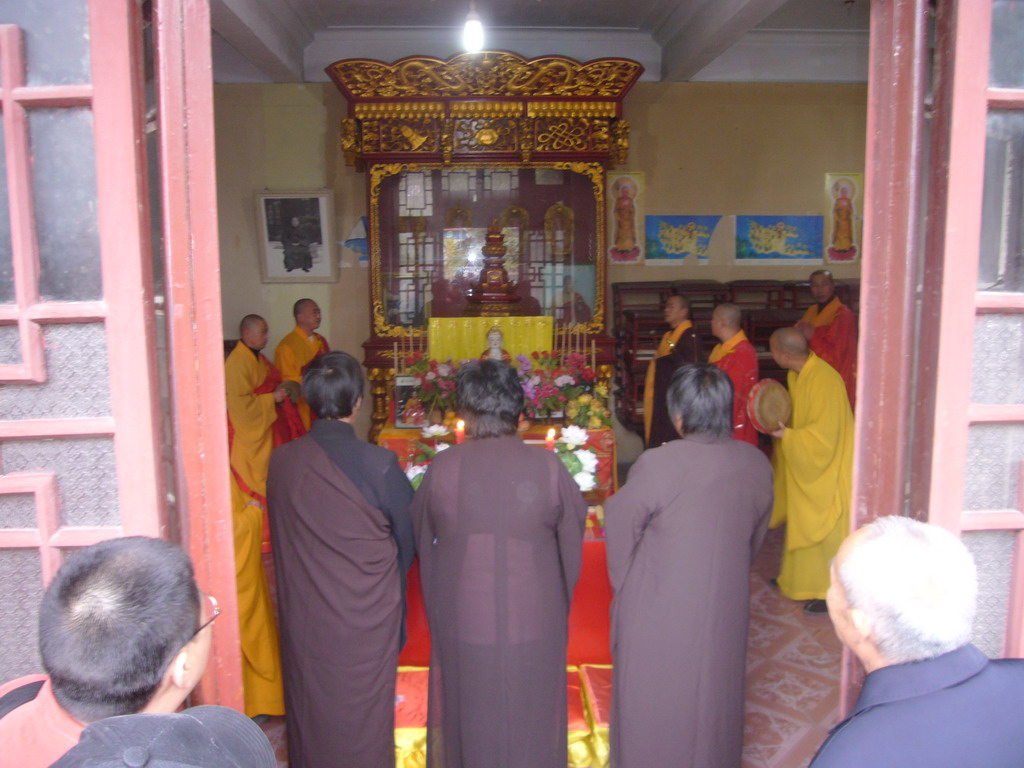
358	405
861	623
181	672
678	424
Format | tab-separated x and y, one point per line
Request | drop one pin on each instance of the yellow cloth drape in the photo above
597	693
464	338
824	317
252	417
292	354
724	348
813	464
668	341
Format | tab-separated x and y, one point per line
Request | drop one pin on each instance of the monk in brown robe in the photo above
499	529
342	545
682	534
679	345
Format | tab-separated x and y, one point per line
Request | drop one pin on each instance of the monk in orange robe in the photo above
296	350
679	345
831	330
736	356
252	413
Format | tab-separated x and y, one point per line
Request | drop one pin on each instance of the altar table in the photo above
600	441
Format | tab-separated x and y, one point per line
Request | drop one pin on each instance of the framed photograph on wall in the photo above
295	231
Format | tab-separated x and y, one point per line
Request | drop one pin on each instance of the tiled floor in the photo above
792	676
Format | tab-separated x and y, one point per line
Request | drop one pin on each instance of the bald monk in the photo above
252	412
679	345
736	356
813	462
296	350
831	329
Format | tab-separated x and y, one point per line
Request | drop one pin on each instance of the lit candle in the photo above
460	431
549	443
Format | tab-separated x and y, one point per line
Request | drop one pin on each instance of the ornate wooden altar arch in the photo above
450	147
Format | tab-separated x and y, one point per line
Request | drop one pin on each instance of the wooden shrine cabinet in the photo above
453	147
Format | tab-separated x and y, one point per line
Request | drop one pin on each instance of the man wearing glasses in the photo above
123	629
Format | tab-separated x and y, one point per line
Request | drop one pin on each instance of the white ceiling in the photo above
675	40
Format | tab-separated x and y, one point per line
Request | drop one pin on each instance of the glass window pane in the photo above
993	556
994	456
6	263
1006	61
64	190
10	346
19	612
997	371
56	39
1001	264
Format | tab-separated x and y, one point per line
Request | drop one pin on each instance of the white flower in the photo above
585	480
431	376
534	380
564	381
573	436
444	369
434	430
415	470
442	447
588	459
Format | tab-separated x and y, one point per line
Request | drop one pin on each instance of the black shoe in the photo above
774	582
815	607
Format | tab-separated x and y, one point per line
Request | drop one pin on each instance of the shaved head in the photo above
249	322
789	341
729	315
680	301
821	273
300	305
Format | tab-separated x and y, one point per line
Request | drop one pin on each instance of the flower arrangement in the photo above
590	410
425	453
579	460
550	381
435	385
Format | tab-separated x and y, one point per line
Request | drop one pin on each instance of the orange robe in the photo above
666	347
835	340
738	359
294	352
251	417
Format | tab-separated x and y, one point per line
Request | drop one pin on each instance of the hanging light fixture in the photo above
473	32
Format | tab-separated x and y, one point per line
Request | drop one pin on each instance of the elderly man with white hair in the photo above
902	600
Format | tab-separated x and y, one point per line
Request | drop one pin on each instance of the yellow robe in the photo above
293	353
252	417
665	346
813	464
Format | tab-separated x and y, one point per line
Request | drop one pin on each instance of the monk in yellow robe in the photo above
679	345
251	418
813	462
298	349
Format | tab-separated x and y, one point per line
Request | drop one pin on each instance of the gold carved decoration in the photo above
486	74
408	136
459	216
572	109
349	139
406	109
483	135
485	109
558	229
620	135
526	139
563	135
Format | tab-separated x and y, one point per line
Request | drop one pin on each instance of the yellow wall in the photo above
705	148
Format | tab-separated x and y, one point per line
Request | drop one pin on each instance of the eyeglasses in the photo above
214	613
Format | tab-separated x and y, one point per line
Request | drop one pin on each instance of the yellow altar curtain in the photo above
465	338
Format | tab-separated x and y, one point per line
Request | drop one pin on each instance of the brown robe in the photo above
686	350
681	536
339	608
499	531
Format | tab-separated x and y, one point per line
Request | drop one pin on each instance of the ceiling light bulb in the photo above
473	32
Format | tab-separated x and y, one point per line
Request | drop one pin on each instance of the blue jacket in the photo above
954	711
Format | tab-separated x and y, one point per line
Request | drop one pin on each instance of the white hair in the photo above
917	585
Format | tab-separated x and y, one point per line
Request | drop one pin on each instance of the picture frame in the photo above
295	232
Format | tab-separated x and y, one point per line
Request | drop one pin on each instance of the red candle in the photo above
460	431
549	443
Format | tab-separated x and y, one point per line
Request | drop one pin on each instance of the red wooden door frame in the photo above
196	359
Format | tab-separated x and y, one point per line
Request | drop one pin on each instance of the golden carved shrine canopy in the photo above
492	106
